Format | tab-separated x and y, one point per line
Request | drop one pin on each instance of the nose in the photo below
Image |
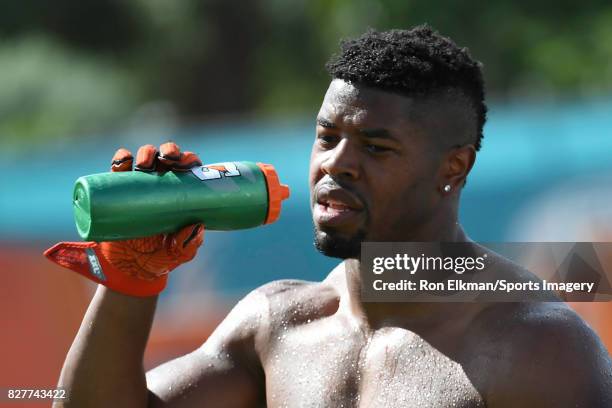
342	161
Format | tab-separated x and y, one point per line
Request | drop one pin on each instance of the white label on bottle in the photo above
216	171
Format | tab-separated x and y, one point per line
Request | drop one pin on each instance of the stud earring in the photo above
447	188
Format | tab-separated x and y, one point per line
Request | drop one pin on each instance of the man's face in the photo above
373	170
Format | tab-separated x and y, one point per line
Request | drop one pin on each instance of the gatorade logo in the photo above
94	265
216	171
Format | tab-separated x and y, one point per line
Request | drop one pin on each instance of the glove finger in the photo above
172	158
190	247
169	151
169	154
188	161
186	234
122	160
196	238
185	243
146	158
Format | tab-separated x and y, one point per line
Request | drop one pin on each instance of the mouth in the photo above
336	207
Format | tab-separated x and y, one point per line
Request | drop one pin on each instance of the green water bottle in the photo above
223	196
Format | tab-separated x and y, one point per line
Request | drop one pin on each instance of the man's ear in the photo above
457	165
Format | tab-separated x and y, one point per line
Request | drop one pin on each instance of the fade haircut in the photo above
415	62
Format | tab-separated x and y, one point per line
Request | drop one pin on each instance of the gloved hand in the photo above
137	267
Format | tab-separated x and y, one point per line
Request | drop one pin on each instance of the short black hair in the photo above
415	62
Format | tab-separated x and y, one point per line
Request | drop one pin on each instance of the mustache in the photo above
334	184
330	183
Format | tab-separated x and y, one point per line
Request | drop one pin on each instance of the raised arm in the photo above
104	366
225	371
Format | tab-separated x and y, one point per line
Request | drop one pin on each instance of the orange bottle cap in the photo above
277	192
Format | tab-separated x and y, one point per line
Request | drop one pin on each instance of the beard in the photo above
334	245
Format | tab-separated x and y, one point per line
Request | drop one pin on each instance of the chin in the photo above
337	245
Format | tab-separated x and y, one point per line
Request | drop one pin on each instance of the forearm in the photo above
104	366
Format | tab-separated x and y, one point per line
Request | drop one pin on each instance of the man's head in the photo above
402	118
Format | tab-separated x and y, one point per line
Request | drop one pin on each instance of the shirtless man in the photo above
402	120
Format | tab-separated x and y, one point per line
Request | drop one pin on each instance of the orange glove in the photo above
137	267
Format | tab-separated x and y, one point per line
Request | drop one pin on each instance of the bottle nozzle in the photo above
277	192
285	192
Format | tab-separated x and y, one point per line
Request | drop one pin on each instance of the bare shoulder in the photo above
283	302
501	268
292	302
543	354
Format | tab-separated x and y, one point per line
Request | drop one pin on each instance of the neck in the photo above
379	314
441	227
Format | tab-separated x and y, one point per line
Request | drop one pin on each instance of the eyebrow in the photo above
374	133
325	123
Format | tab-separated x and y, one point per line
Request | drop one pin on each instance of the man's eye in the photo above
327	140
376	149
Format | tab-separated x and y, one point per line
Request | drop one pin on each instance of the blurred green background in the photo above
73	69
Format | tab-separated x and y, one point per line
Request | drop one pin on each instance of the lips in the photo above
336	206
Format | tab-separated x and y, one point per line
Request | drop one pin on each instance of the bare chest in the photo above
326	365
